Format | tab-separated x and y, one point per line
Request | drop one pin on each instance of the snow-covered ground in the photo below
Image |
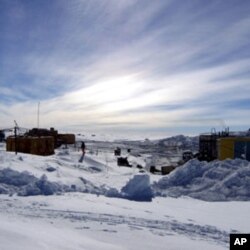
55	202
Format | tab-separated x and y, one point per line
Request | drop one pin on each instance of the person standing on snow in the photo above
83	147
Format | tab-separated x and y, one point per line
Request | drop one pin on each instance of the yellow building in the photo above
233	147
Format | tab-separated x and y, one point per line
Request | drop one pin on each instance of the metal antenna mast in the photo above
38	114
15	131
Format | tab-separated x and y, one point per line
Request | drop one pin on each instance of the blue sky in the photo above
148	68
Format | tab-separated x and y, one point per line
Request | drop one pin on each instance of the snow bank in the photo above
215	181
138	188
25	184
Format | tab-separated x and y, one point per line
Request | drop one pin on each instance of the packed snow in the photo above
228	180
55	202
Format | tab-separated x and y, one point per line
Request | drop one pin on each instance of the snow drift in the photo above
25	184
215	181
27	175
138	188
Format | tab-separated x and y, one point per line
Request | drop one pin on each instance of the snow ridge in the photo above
215	181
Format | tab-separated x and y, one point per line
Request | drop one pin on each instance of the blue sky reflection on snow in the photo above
150	67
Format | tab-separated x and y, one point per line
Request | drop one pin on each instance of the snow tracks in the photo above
110	223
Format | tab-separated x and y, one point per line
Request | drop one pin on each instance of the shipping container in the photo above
43	145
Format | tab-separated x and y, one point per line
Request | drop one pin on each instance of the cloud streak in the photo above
136	65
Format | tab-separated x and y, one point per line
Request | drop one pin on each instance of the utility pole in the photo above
38	113
15	133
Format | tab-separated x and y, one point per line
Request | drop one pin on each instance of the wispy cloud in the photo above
126	64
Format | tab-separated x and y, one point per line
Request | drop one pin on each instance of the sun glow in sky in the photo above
142	67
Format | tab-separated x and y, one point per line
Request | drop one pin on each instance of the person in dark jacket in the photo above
83	147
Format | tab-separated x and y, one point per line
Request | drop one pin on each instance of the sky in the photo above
126	67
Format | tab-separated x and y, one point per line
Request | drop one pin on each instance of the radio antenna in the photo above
38	114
